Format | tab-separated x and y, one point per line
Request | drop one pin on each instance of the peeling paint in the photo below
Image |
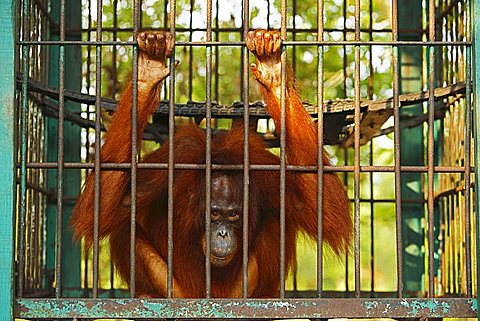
249	309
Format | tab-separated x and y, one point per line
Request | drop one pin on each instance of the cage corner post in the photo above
71	254
7	154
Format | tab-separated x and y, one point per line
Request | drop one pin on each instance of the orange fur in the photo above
189	201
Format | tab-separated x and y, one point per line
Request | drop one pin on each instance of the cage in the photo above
389	86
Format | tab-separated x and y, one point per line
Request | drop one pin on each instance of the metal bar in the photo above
311	169
356	185
208	152
251	309
114	79
98	139
8	152
372	190
88	143
345	152
190	53
23	157
171	158
133	161
396	151
246	159
216	54
475	8
320	133
467	158
283	134
229	29
430	151
239	43
372	224
60	157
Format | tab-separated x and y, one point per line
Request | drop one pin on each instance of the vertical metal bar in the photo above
190	53
344	92
268	14
450	243
372	190
347	256
133	170
43	231
114	48
60	158
98	139
208	152
357	153
23	155
7	158
457	270
114	85
217	54
88	62
294	36
475	5
430	148
140	17
320	93
372	220
171	158
468	146
396	151
370	48
246	159
283	133
345	58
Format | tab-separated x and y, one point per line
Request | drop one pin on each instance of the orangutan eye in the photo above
233	216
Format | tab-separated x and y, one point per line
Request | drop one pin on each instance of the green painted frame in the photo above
7	157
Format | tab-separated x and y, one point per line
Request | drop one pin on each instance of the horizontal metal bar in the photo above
223	29
241	43
297	168
246	309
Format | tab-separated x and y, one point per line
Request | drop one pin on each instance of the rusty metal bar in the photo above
475	9
171	158
430	151
88	143
298	168
239	43
208	152
246	159
344	96
133	159
114	79
23	114
190	53
396	151
467	158
283	134
98	139
356	185
216	29
372	206
251	309
60	158
372	202
320	133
